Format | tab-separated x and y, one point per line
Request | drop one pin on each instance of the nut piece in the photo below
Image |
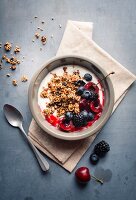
24	78
43	39
17	49
13	67
14	82
37	35
7	46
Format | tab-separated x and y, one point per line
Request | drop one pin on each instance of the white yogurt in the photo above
59	71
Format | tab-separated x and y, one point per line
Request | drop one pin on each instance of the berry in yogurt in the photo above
70	98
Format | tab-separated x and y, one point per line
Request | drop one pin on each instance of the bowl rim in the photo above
70	137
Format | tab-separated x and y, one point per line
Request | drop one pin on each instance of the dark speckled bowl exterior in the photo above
65	60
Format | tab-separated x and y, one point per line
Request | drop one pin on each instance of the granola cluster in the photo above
7	46
61	92
17	49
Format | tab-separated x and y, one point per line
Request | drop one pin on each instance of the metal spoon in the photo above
15	119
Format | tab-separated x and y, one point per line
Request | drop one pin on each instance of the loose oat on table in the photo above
13	67
37	35
14	82
61	92
7	46
17	49
24	78
43	39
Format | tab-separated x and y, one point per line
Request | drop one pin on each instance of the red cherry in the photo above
83	174
84	105
96	106
52	120
91	86
65	126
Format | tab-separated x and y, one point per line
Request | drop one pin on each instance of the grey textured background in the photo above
115	31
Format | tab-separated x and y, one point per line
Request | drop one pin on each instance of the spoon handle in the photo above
42	161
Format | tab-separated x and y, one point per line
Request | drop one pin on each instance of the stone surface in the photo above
114	30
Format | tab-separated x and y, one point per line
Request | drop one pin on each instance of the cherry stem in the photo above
105	77
97	179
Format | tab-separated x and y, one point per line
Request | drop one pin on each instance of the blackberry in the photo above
101	148
79	120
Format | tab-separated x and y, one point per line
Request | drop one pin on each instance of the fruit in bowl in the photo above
70	98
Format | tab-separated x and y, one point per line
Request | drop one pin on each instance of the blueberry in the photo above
80	83
80	90
88	77
85	114
94	158
90	116
68	116
86	94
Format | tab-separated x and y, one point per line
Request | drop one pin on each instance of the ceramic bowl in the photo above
65	60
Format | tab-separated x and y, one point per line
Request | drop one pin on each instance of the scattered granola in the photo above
24	78
7	46
33	40
14	82
52	18
43	40
17	49
37	35
43	22
60	25
11	60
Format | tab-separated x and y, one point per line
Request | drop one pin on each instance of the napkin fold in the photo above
77	39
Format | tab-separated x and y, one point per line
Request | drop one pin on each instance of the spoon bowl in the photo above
15	118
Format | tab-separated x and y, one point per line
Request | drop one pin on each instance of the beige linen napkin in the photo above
77	39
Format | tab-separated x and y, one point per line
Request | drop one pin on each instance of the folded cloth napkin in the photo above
77	39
